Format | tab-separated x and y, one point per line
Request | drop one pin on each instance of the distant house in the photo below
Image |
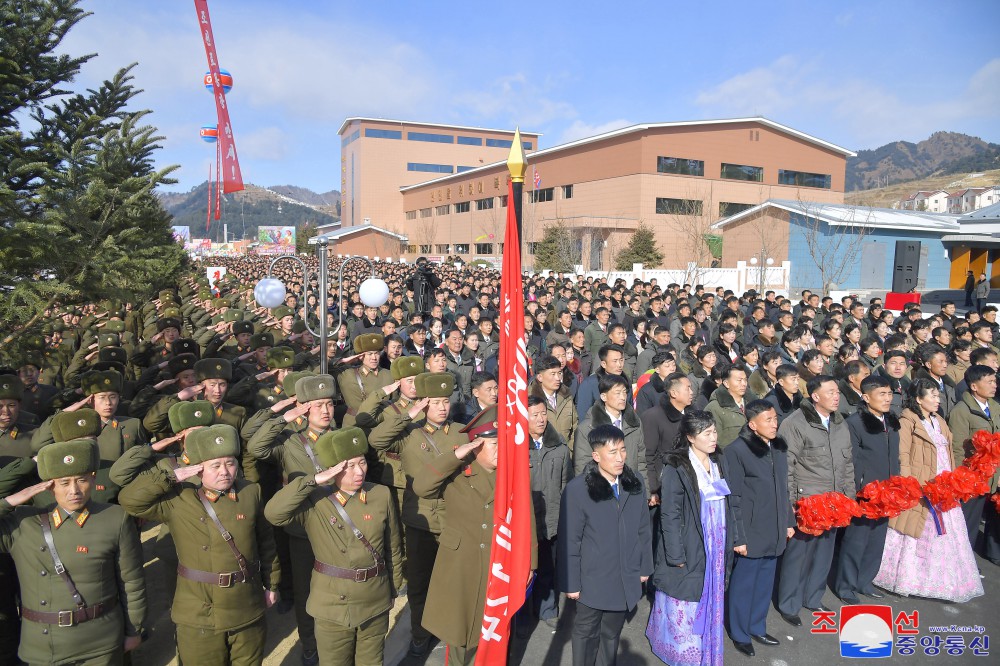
986	196
857	239
364	241
931	201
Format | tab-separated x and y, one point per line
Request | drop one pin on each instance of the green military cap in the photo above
11	388
282	311
204	294
47	329
279	358
368	342
101	381
261	340
34	359
406	366
434	384
336	446
74	457
172	312
168	322
184	415
290	380
216	441
242	327
115	326
299	326
220	303
180	363
186	346
58	326
74	425
108	340
112	355
483	424
232	315
34	342
317	387
166	294
213	368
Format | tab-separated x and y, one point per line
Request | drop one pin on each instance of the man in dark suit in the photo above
758	482
604	548
875	448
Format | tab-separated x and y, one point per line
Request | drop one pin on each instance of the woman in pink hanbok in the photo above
927	551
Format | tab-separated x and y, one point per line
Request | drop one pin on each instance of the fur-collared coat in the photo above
605	546
875	447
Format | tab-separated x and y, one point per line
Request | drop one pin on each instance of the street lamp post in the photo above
764	261
270	293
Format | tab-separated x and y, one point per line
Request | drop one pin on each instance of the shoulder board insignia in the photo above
13	432
368	516
241	516
82	549
100	487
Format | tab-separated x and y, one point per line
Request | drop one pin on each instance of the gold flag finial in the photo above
517	163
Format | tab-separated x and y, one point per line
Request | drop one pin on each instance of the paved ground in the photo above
546	647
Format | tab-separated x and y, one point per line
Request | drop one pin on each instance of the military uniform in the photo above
417	444
221	621
38	399
352	586
356	383
100	549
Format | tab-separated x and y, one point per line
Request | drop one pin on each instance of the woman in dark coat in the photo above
698	534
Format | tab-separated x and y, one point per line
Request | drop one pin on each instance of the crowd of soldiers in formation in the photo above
331	495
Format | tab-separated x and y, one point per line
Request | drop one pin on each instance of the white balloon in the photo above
269	293
374	292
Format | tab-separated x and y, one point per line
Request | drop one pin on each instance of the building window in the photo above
741	172
547	194
498	143
432	138
463	169
461	248
411	214
681	166
503	201
348	140
383	134
484	248
470	140
531	248
425	249
804	179
425	212
403	248
411	249
727	208
484	204
462	207
526	144
432	168
442	210
443	249
567	191
665	206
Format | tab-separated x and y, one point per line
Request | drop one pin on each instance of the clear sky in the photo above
858	74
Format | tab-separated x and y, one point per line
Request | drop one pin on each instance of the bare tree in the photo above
689	221
835	249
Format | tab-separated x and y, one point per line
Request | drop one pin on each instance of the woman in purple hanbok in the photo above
695	549
927	551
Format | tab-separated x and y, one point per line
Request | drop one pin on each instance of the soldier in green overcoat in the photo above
223	585
357	381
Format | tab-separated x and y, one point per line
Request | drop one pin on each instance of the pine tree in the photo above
641	249
558	250
80	221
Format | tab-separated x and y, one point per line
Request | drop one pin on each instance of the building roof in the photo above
348	121
991	212
347	231
632	129
843	215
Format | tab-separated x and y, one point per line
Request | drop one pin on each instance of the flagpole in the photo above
517	164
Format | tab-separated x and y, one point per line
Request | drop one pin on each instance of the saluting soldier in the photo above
83	594
117	433
254	362
228	569
261	391
37	398
353	529
294	449
15	434
466	478
357	382
221	347
418	436
151	352
145	406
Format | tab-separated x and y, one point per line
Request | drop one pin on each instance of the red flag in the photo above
231	176
510	553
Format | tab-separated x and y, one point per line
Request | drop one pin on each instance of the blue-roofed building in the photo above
850	246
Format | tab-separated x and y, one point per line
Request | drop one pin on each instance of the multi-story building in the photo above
928	201
677	178
379	156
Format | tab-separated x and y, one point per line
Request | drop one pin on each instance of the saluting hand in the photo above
190	392
159	386
246	356
390	389
471	447
418	407
296	412
261	376
328	474
22	496
86	402
281	405
184	473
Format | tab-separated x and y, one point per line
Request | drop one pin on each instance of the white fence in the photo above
739	279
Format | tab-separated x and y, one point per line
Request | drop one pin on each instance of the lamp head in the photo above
374	292
269	292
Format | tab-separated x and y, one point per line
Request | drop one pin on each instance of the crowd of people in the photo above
672	430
